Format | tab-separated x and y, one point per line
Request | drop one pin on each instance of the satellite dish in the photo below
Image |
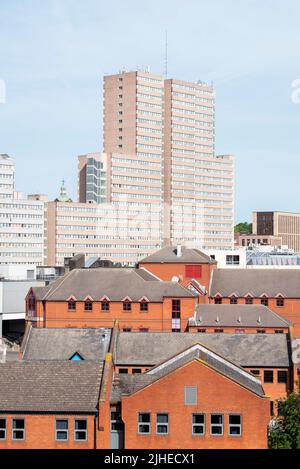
175	279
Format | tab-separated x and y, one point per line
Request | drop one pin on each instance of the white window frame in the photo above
158	424
17	429
216	425
81	431
148	424
198	425
59	430
239	425
3	428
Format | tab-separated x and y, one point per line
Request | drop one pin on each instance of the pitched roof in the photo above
248	350
50	386
196	352
114	283
62	343
255	281
237	316
168	254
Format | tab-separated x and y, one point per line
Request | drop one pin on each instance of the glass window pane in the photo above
62	424
162	418
80	424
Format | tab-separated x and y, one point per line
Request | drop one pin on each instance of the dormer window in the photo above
88	305
280	302
233	300
264	301
105	305
249	300
144	306
71	305
126	305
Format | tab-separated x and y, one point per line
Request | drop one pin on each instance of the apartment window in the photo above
278	331
280	302
249	300
144	306
282	376
61	430
176	309
88	305
233	300
162	424
219	331
190	395
268	376
261	331
126	306
105	306
203	331
218	301
235	425
232	260
216	424
18	429
71	305
2	429
193	271
80	432
264	301
144	423
136	371
123	371
198	424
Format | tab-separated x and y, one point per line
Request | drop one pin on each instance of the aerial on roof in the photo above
255	282
113	283
236	315
176	255
50	386
127	386
64	343
247	350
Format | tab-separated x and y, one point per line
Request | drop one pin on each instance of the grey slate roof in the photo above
237	315
247	350
115	283
50	386
196	352
62	343
168	254
256	282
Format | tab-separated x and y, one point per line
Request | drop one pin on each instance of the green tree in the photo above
284	432
243	227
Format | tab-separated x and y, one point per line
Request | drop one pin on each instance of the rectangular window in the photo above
72	305
232	260
202	331
176	309
219	331
261	331
278	331
144	329
144	423
61	430
136	371
2	429
80	432
143	306
218	301
162	424
264	301
105	306
198	424
88	306
216	424
235	425
280	302
254	372
190	395
249	300
282	376
233	300
18	429
127	306
123	371
116	423
193	271
268	376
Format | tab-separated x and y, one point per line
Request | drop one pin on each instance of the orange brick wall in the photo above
216	394
158	317
40	432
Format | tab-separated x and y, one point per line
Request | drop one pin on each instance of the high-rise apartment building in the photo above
92	173
162	133
281	224
21	221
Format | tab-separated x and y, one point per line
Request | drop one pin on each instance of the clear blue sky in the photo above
53	54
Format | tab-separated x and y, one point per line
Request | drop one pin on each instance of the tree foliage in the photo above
284	433
243	227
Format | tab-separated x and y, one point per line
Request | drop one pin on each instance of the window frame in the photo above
107	303
88	302
142	305
230	425
280	300
198	425
59	430
269	371
129	304
195	389
161	424
148	424
216	425
82	431
3	429
17	429
285	374
73	302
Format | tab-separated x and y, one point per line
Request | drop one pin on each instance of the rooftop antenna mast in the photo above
166	55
